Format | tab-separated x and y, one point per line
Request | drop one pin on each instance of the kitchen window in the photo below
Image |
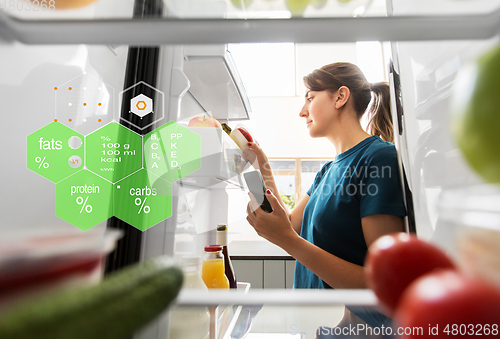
294	176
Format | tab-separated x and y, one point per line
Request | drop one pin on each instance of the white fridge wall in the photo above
29	75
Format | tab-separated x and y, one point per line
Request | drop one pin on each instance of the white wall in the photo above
275	121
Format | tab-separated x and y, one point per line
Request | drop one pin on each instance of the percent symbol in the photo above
88	208
104	138
138	202
42	162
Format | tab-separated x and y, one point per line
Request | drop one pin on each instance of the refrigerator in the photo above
127	77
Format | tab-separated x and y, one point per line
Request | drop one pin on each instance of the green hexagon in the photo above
55	151
172	151
84	199
113	152
142	200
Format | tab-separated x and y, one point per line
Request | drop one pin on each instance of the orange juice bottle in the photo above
212	271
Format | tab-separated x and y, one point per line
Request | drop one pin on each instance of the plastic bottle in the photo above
228	266
190	322
212	271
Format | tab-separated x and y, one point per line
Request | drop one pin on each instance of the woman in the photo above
354	199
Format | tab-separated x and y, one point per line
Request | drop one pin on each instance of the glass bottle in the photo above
212	270
228	266
226	128
190	322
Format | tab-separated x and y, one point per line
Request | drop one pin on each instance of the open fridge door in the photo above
438	175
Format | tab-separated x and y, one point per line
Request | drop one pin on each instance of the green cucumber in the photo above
121	304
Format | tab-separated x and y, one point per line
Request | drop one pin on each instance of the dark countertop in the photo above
256	250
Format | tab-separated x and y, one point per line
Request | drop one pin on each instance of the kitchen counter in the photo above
256	250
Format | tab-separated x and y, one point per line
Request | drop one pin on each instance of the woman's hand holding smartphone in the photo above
256	185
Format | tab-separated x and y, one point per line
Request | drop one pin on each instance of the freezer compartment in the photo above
220	160
215	83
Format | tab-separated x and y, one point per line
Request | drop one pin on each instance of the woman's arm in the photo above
336	272
297	214
377	225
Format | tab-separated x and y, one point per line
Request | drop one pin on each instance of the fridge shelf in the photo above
355	297
238	9
144	31
305	310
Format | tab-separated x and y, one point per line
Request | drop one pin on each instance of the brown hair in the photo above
331	77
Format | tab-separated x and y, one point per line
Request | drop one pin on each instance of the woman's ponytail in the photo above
379	113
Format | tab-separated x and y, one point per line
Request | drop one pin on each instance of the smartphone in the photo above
256	185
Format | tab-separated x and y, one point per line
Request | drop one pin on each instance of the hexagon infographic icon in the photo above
143	105
84	199
113	152
84	103
142	200
55	151
108	173
172	151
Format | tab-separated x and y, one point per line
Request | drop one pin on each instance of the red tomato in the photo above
395	260
449	304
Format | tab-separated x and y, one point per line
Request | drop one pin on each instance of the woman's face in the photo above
319	112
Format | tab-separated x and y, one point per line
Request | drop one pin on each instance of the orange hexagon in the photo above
143	107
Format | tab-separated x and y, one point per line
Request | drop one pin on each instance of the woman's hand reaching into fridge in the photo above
258	159
276	226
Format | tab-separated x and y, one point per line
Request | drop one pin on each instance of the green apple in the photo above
344	1
297	7
476	115
241	3
318	4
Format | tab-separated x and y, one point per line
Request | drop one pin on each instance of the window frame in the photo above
297	172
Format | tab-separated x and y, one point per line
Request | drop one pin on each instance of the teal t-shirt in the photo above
361	181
